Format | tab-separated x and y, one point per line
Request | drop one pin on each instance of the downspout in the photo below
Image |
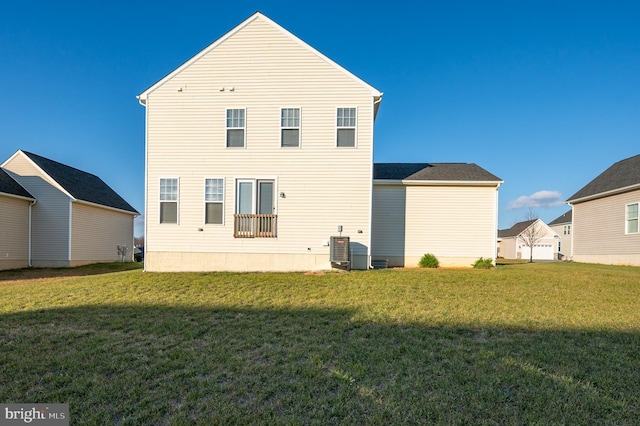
29	264
373	120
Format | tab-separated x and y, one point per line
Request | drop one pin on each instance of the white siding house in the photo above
259	149
562	226
605	216
517	241
76	219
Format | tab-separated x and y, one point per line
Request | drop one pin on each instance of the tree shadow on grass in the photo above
173	365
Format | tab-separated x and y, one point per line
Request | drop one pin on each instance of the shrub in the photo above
429	261
483	263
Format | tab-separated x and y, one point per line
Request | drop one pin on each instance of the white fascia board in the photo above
603	194
89	203
142	98
20	197
491	183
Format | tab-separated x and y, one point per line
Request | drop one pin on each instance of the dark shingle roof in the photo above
565	218
9	186
81	185
433	171
622	174
516	229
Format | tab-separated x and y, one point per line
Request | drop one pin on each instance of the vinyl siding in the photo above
599	229
325	186
565	239
97	233
456	222
14	232
50	215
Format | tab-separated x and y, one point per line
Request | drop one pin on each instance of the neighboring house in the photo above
512	242
259	149
562	226
605	216
15	205
76	219
424	208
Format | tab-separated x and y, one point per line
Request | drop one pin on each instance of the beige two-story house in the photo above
605	216
259	150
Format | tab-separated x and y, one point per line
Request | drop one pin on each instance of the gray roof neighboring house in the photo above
516	229
81	185
622	175
467	172
9	186
565	218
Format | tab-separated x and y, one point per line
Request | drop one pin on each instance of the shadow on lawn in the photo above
79	271
167	365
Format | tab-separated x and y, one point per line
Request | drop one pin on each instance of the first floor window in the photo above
214	201
235	128
632	218
290	127
169	200
346	123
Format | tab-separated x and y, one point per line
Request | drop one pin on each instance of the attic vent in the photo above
340	252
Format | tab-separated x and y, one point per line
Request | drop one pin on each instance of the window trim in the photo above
224	190
243	128
354	127
299	127
177	201
627	219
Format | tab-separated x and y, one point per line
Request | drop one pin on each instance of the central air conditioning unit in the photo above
340	252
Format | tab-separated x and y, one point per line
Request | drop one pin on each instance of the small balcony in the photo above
255	225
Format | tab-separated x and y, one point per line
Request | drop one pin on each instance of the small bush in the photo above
483	263
429	261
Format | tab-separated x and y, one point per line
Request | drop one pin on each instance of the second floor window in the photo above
346	123
235	128
290	127
169	200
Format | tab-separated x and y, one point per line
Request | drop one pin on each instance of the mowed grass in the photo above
523	344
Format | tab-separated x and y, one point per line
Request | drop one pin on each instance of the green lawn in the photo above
554	343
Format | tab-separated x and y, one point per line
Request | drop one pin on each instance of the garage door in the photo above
540	252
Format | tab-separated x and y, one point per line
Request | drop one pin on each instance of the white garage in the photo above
540	252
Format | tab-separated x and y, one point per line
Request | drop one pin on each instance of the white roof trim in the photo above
20	197
604	194
407	182
142	98
102	206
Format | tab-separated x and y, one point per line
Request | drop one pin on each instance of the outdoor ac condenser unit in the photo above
340	252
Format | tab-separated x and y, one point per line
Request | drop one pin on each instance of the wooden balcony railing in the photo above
255	225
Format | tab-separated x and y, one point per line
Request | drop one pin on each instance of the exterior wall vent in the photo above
340	252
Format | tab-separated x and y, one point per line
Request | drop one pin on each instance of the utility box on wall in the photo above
340	252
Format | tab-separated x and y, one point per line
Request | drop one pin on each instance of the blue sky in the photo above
544	94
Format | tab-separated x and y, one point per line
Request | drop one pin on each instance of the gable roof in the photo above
516	229
440	172
142	98
623	175
565	218
80	185
9	186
